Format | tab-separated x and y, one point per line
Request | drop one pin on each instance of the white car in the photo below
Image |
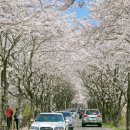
49	121
68	117
73	113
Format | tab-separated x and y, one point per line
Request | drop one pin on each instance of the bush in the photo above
27	110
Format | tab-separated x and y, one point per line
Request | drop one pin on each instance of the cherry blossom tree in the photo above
41	31
110	47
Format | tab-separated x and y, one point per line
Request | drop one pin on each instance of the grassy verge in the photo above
109	125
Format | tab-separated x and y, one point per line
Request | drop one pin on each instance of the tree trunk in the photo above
32	107
5	86
20	109
128	105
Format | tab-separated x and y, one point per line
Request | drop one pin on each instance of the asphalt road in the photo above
77	126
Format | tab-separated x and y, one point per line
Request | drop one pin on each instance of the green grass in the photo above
110	125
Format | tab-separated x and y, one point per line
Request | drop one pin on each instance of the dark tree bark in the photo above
4	85
128	105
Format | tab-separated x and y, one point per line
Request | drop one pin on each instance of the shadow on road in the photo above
89	126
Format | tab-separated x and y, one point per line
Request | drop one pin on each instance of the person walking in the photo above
16	118
9	114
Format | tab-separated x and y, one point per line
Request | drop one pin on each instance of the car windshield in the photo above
92	112
66	114
49	118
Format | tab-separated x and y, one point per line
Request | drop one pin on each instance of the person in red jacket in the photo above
9	114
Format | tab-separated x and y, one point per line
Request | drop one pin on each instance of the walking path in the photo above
24	128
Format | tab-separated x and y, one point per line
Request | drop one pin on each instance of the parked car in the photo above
69	119
92	116
81	112
73	113
49	121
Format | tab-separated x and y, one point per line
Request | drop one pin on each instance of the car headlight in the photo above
34	128
67	120
59	128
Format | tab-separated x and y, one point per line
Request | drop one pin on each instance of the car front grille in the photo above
46	128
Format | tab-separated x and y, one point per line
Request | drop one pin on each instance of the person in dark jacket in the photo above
36	112
16	118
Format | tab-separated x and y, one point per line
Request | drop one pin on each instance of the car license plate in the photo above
92	119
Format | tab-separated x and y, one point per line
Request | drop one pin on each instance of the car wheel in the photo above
100	125
83	125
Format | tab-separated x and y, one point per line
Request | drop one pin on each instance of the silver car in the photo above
69	119
92	116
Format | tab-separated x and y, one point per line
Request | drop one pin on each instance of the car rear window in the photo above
92	112
73	111
82	110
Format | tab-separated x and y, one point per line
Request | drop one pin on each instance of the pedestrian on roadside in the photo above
16	118
9	114
36	112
